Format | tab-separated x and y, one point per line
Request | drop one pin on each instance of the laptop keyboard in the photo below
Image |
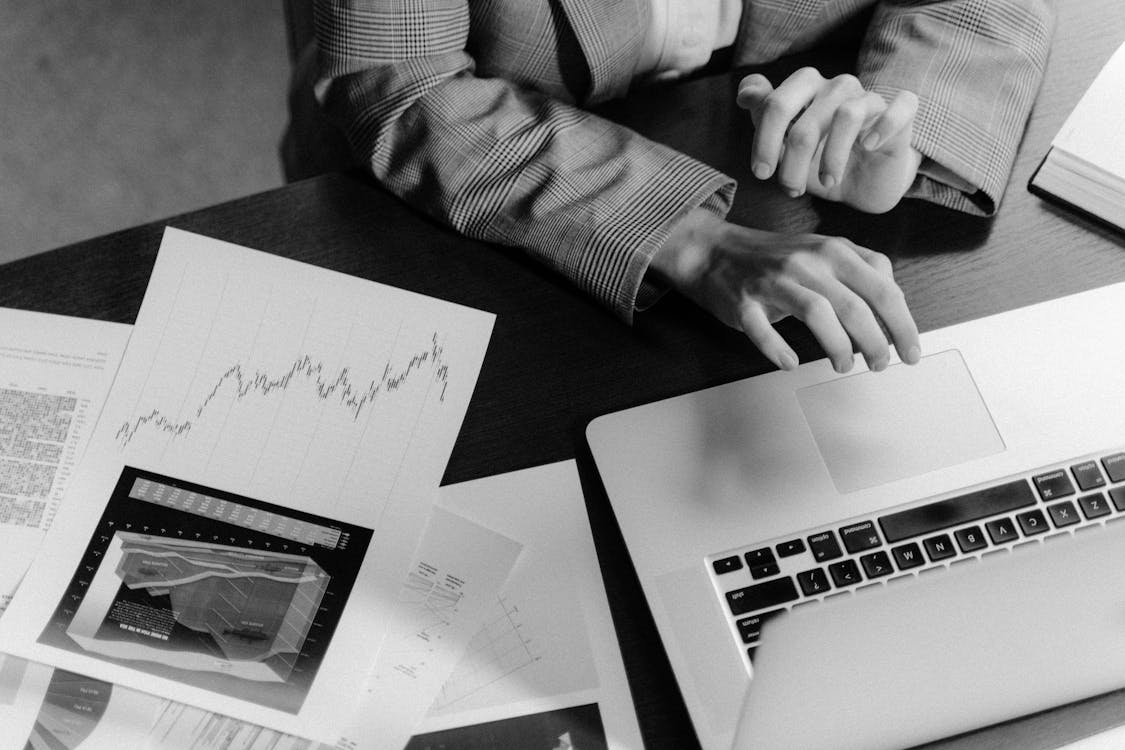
762	580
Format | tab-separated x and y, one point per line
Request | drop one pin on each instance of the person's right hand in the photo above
750	279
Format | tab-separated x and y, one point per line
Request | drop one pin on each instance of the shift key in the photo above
761	596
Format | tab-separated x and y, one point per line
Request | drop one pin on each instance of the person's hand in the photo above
750	279
832	138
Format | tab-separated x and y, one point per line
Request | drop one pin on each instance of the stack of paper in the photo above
253	529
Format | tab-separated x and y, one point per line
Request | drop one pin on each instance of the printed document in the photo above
55	372
251	499
545	669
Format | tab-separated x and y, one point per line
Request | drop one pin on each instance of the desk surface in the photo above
556	360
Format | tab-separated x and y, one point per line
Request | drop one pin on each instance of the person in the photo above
474	112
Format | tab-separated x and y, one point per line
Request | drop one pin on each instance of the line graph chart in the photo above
299	385
501	648
350	396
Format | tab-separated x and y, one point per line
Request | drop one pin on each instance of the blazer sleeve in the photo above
976	66
496	161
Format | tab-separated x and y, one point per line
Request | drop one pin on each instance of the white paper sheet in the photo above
547	661
53	709
278	411
1111	739
459	572
543	667
55	372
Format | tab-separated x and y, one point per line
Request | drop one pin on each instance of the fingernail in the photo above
829	181
878	364
842	366
761	170
787	361
913	355
871	142
793	193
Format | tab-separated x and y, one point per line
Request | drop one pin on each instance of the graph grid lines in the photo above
499	649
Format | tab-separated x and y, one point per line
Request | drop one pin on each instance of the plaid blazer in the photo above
471	111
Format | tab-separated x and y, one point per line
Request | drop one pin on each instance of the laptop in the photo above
767	515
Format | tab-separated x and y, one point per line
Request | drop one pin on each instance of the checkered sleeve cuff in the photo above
976	67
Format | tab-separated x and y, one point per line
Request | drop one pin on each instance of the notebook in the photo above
794	492
1085	167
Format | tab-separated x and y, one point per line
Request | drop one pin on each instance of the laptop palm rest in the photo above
942	653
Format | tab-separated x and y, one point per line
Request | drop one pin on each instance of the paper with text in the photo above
546	662
43	708
458	573
55	372
253	494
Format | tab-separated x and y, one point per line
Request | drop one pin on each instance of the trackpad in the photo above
873	428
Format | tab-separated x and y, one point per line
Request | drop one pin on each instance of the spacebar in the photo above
957	510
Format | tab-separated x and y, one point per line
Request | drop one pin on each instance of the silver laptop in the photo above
798	503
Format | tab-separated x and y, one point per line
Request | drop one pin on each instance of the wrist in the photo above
684	254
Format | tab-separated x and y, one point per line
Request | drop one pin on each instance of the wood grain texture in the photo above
556	360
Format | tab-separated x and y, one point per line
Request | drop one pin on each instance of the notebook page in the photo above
1093	130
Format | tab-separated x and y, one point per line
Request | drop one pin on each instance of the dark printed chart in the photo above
210	589
574	728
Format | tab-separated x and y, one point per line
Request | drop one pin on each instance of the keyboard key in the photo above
727	565
813	582
1094	506
970	539
1054	484
763	556
939	547
1063	514
860	536
876	564
790	548
845	573
1088	475
907	556
762	596
1032	522
1002	531
956	511
751	627
824	546
1117	495
762	563
758	572
1115	467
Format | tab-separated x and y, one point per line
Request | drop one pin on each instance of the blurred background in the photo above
119	112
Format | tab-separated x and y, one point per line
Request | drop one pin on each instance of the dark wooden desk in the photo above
556	361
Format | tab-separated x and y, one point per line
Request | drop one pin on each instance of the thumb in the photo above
752	93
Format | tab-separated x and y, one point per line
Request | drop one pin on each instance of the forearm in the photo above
500	163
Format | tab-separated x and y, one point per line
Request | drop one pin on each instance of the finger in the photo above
805	135
877	286
850	119
756	325
860	323
752	93
817	314
898	116
776	112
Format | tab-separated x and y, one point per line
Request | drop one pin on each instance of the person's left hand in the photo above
832	138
